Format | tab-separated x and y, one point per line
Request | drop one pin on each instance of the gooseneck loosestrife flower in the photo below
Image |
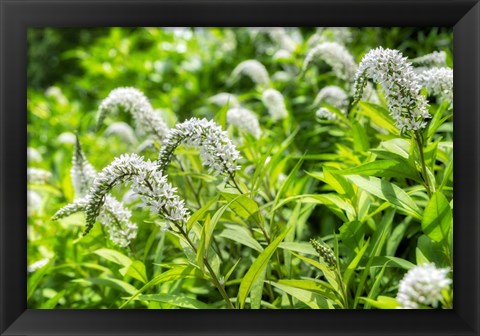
38	175
324	252
253	69
400	84
275	103
147	181
114	216
332	95
335	55
422	286
438	82
435	59
134	102
216	150
245	120
224	98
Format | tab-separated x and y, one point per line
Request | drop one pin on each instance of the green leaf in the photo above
327	272
379	116
114	256
178	300
257	268
242	205
382	168
382	302
176	273
388	192
109	282
388	261
320	287
198	215
136	270
257	290
352	233
437	218
298	247
311	299
347	275
360	138
397	146
240	235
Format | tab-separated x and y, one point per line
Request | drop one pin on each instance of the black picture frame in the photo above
17	15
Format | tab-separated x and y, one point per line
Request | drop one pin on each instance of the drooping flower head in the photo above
335	55
435	59
134	102
324	113
123	131
147	181
224	98
332	95
253	69
341	35
438	82
275	103
216	150
400	85
33	155
245	120
422	286
114	216
38	175
280	36
82	172
34	202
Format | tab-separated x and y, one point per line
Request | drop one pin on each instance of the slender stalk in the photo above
426	179
190	183
215	280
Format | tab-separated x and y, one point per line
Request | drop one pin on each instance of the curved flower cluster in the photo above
147	181
253	69
38	176
37	265
341	35
332	95
114	216
33	155
335	55
216	149
82	172
245	120
224	98
325	252
123	131
435	59
438	82
422	286
134	102
34	201
400	84
275	103
285	42
324	113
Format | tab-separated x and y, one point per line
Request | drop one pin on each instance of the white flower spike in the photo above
275	103
216	149
134	102
245	120
399	83
422	286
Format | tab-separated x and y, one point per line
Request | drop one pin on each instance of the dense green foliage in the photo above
375	201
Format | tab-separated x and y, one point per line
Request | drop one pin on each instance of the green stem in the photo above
215	280
426	179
